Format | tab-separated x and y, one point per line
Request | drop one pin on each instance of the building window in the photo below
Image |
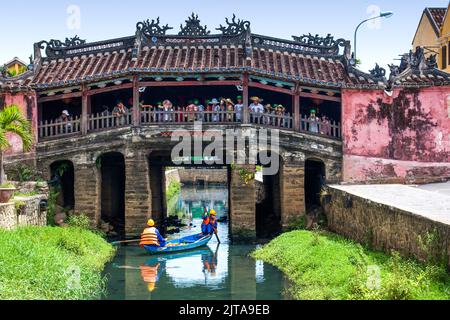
444	57
448	51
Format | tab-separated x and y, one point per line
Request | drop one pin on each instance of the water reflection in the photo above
194	199
224	272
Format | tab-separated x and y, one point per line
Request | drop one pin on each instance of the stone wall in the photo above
194	176
8	216
146	151
242	205
402	139
172	176
292	180
27	215
385	228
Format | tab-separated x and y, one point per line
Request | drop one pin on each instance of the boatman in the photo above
151	236
209	225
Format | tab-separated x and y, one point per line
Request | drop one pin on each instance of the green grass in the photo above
325	266
173	190
37	263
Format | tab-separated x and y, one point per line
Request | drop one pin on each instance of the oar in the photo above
125	241
217	236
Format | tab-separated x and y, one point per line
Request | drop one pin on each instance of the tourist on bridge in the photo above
281	113
239	108
325	126
268	111
65	120
215	107
191	110
209	225
168	109
151	236
313	121
257	109
200	109
230	110
121	113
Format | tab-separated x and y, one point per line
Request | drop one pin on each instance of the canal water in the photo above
215	272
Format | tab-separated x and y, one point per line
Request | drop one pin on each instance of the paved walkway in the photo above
430	201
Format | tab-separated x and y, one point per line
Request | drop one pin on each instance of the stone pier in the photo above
138	201
242	204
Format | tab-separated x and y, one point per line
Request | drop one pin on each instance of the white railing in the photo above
54	128
100	121
325	128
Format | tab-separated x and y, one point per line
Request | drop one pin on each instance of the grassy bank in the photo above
173	190
43	263
327	266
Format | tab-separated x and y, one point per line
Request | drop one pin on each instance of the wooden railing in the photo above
285	121
185	117
54	128
100	121
329	128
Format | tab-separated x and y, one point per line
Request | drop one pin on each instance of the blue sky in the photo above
24	23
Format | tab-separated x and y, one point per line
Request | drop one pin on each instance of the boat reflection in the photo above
183	269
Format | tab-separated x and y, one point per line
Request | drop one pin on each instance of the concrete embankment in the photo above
413	221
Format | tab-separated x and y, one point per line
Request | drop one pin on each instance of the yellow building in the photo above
444	42
430	34
15	67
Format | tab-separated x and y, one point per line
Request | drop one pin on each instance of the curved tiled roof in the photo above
19	83
307	59
294	66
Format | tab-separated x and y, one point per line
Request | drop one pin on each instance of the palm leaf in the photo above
12	120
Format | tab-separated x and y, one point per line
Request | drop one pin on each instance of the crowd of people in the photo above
214	110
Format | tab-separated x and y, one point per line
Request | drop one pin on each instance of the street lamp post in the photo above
386	15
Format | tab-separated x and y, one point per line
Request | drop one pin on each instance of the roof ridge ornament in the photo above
193	27
416	61
234	27
327	42
152	28
378	72
57	44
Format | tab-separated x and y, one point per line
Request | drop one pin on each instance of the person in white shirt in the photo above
238	109
257	109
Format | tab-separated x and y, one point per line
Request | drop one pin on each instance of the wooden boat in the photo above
183	244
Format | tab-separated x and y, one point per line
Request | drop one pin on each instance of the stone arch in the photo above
315	179
269	198
62	179
111	167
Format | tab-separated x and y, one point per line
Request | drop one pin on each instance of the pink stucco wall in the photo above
28	106
403	138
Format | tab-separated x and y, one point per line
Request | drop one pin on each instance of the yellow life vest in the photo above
149	238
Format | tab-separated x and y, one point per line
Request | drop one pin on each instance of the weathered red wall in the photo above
403	138
28	105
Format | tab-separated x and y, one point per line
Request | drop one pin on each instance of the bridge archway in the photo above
315	179
268	207
63	178
112	173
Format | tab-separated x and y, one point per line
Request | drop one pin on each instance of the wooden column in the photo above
85	101
245	97
296	110
136	106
